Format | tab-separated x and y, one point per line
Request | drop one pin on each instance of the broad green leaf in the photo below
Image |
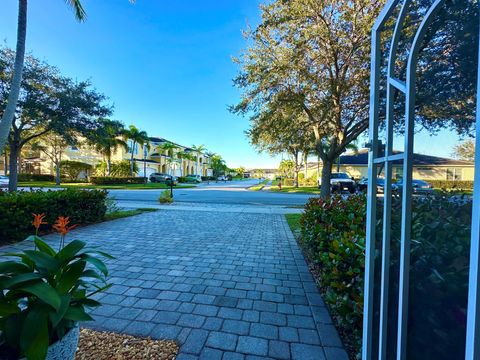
70	250
70	277
103	253
17	280
8	267
44	292
8	308
58	315
88	302
77	314
34	339
89	273
99	264
44	247
43	260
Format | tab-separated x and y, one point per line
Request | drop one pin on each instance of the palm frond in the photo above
77	7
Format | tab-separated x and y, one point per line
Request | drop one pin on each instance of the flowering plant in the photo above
45	292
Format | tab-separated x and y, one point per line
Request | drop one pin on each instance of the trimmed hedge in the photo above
451	184
35	177
112	180
82	206
333	236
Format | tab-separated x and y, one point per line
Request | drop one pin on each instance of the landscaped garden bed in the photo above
94	345
332	236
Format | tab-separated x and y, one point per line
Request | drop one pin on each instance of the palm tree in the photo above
199	150
107	139
169	147
137	137
8	115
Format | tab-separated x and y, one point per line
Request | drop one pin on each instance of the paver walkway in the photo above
225	285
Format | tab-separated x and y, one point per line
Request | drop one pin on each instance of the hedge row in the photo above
333	236
451	184
111	180
35	177
82	206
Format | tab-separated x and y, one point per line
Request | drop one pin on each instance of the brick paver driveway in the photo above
225	285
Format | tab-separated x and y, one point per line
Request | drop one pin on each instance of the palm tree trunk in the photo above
5	164
13	176
109	165
9	113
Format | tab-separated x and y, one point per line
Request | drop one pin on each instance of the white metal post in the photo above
472	351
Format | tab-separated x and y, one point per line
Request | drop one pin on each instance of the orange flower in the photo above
38	220
61	225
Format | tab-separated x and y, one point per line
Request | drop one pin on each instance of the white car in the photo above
222	178
4	181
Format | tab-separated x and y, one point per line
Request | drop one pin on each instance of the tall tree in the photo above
465	150
14	93
169	148
218	165
283	131
48	102
312	56
136	137
107	139
53	146
199	149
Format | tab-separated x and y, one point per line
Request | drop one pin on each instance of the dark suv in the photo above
163	179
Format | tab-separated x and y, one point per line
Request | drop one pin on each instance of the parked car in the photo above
4	181
222	178
418	186
193	178
340	182
163	179
362	185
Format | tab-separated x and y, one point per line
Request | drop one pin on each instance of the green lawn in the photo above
293	221
300	189
125	213
259	186
91	186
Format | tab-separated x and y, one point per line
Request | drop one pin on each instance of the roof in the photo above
147	161
361	159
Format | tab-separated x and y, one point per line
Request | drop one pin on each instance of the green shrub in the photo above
451	184
208	178
45	293
72	169
111	180
35	177
165	197
182	179
82	206
333	235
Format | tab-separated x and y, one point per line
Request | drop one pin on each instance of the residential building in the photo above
425	167
156	159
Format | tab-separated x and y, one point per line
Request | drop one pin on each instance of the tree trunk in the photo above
296	170
305	161
13	177
5	165
57	173
8	115
131	158
326	176
109	165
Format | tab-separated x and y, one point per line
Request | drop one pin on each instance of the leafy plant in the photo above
72	169
333	235
165	197
45	293
81	206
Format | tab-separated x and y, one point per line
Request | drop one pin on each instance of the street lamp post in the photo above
145	163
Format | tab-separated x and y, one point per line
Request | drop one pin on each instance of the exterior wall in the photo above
419	172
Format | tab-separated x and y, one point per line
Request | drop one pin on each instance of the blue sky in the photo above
165	65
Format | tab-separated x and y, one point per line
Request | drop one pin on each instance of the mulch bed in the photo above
95	345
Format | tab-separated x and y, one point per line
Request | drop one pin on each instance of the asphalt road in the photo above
231	192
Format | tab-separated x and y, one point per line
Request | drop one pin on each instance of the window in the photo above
454	174
74	148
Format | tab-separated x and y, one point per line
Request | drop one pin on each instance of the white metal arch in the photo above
408	88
